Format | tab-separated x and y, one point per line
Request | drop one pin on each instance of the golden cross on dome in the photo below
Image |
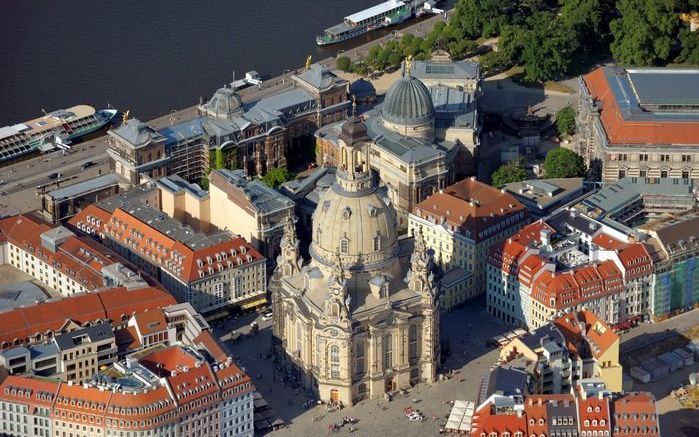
408	64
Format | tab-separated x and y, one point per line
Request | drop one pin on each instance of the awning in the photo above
253	303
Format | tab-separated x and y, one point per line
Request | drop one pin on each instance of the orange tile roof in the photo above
209	343
142	406
586	327
634	411
594	414
111	304
127	339
150	322
160	249
471	207
621	131
84	266
33	391
171	359
486	421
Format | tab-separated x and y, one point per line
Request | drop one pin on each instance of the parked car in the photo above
267	315
55	175
87	164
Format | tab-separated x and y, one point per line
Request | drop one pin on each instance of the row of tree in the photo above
559	163
552	38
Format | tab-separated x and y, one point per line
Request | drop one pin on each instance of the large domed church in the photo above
355	322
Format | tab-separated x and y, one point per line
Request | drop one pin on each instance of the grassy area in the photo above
692	333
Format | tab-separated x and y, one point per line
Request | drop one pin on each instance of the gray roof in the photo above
541	194
182	132
98	332
445	70
507	381
659	86
319	76
20	294
408	101
136	133
409	150
176	184
285	103
39	351
96	183
163	223
362	88
263	198
626	190
639	91
680	231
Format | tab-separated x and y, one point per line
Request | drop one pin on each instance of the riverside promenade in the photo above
19	180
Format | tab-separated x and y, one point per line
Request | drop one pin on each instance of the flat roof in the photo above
665	86
374	10
445	70
87	186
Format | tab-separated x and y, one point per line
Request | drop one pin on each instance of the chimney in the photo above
173	373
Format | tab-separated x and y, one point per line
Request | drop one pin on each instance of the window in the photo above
685	174
663	173
622	173
335	362
377	243
388	351
412	343
299	338
664	158
344	245
643	157
359	353
621	156
686	158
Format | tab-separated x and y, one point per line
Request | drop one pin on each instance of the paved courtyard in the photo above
465	329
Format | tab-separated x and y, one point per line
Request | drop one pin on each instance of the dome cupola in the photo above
408	102
225	103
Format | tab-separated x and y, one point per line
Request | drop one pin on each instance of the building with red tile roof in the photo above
635	415
171	391
55	256
212	272
26	406
460	223
590	411
568	263
635	124
40	322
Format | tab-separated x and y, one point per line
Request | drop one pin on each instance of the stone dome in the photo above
408	102
225	102
357	224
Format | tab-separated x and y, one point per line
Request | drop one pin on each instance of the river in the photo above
150	56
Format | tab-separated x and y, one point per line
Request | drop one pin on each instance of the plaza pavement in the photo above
466	329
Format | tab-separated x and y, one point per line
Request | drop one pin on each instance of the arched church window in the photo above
377	242
334	362
388	351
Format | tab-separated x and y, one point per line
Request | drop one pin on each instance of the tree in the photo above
508	173
565	121
563	163
646	31
547	48
344	63
277	176
204	183
690	47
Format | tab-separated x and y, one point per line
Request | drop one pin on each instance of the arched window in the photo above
344	245
412	343
299	338
335	362
335	310
387	351
377	243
